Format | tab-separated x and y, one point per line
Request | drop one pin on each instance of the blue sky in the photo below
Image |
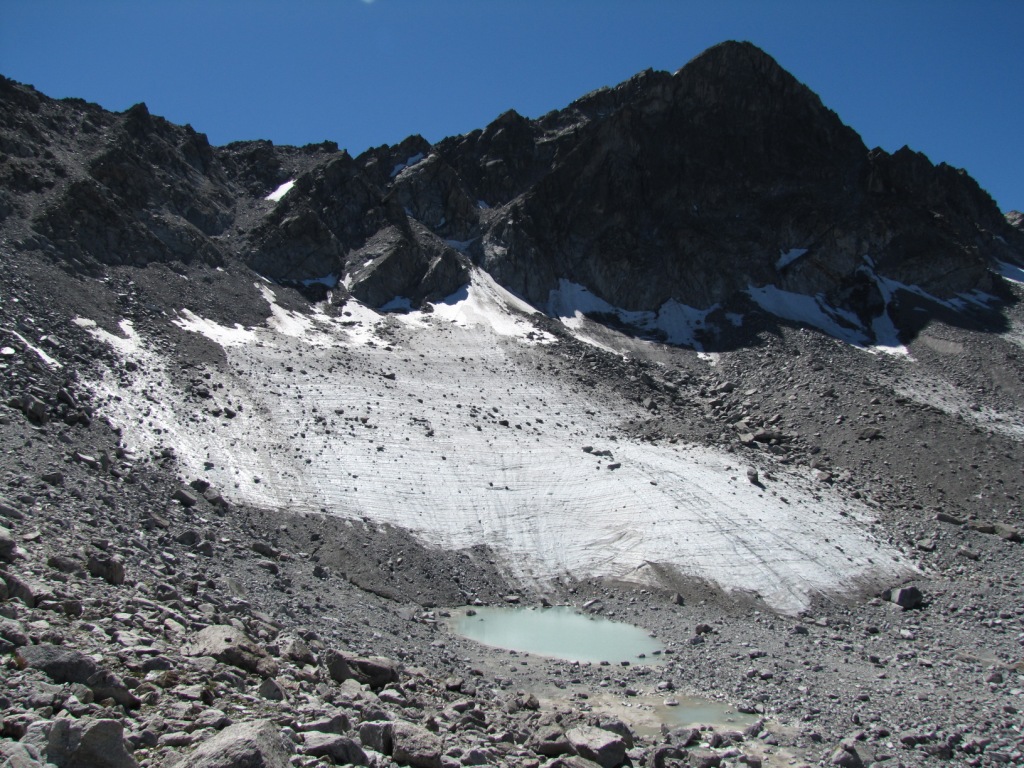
947	78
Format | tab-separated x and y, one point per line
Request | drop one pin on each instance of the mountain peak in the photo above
733	54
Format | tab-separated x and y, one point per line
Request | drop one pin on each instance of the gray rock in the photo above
336	723
110	568
14	754
550	741
28	590
55	477
906	597
660	756
270	689
683	737
65	564
1008	533
603	747
255	744
62	665
570	761
704	758
295	648
13	632
266	549
9	510
211	718
8	545
846	756
230	645
84	743
341	749
185	497
615	725
376	735
66	665
415	746
106	685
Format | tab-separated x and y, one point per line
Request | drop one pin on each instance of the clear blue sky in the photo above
947	78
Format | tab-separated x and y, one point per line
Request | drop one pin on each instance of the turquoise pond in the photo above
560	632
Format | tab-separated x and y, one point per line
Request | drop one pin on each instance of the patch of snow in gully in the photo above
427	451
281	191
226	337
45	358
399	167
810	310
679	323
1011	272
788	257
484	303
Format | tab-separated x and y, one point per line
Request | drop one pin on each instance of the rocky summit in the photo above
685	354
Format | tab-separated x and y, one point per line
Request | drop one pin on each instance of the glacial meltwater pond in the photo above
559	632
563	633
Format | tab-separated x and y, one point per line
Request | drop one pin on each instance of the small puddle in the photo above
559	632
648	714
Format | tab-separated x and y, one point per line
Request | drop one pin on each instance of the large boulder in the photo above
230	645
84	743
415	746
62	665
374	671
13	632
255	744
603	747
26	589
550	741
110	568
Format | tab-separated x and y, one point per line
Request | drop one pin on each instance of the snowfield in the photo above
447	424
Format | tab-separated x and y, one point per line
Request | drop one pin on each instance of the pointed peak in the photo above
742	75
733	54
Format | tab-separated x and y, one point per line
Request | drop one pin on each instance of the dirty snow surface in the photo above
448	424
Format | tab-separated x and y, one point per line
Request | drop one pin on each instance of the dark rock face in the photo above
685	186
693	187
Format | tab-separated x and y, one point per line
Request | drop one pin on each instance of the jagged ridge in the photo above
683	187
